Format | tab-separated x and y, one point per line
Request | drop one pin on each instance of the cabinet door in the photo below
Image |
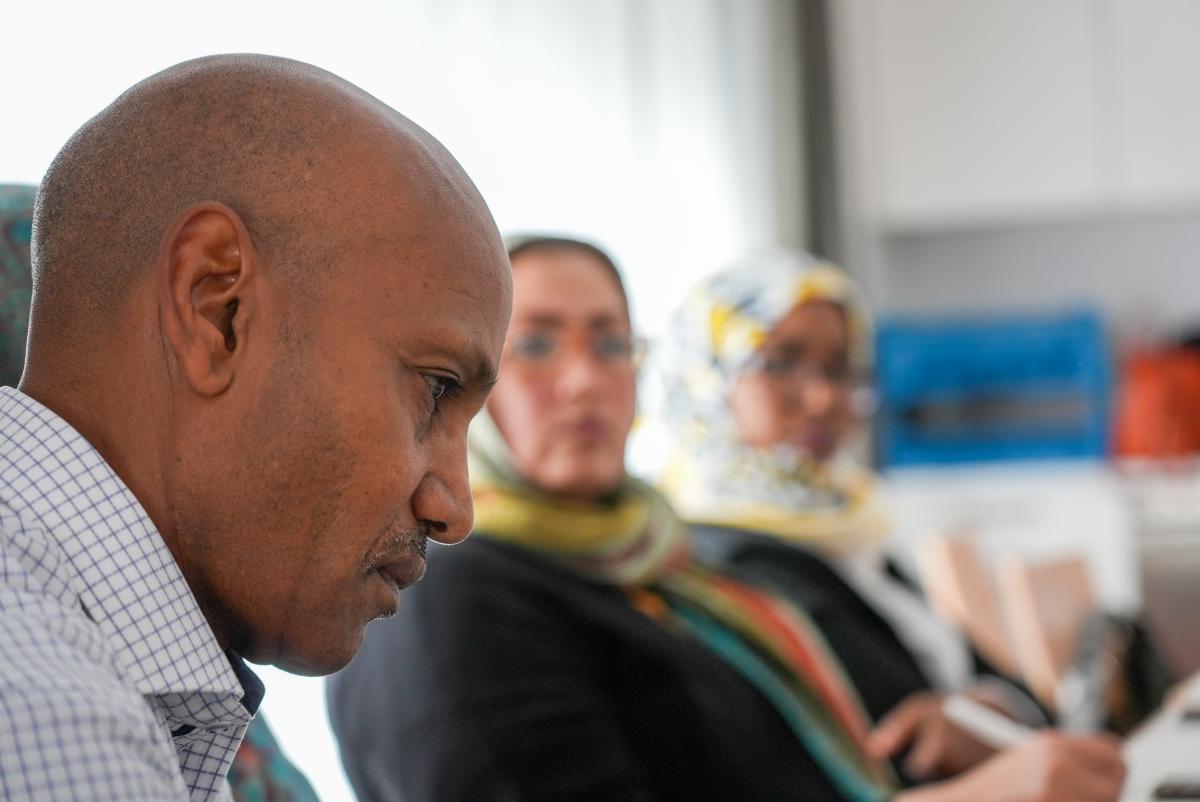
1155	71
986	109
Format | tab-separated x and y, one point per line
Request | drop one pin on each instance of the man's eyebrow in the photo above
483	374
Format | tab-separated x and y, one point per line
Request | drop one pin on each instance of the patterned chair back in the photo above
16	224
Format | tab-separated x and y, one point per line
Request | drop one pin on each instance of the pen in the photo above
992	728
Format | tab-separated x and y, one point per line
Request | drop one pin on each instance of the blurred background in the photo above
1015	184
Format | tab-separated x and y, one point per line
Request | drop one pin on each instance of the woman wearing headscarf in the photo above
572	649
763	369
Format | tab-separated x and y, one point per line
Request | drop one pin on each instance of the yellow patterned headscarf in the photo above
713	477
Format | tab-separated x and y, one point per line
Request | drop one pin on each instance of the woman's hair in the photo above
536	243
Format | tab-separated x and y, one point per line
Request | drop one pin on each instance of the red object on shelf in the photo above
1158	404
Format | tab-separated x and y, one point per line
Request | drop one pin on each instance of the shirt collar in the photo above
253	689
125	576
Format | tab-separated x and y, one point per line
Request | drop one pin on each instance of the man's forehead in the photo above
430	260
441	299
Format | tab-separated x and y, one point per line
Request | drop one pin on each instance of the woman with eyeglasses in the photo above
765	367
572	649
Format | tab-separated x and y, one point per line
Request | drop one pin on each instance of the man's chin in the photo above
319	660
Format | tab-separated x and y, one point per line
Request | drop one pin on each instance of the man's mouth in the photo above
402	572
399	559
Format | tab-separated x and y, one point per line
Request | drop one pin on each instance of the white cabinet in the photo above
985	107
980	111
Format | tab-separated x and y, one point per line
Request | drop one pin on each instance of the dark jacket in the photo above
507	677
877	662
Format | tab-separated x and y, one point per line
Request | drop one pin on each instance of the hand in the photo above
937	746
1050	767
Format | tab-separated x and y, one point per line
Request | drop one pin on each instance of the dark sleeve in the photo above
878	664
480	688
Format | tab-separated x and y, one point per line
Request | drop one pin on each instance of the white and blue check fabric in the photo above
112	684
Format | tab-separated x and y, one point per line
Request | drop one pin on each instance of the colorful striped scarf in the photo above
634	541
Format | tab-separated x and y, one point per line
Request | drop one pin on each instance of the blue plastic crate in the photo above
994	388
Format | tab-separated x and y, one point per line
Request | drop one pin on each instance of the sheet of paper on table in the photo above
1166	748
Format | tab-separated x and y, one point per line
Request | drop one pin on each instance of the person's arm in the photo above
480	689
69	728
1050	767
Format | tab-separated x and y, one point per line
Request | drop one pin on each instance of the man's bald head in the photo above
271	138
294	448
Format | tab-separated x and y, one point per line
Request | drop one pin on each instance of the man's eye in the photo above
441	387
534	346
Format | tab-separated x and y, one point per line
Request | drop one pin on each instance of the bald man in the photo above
266	307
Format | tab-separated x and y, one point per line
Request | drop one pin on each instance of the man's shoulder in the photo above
33	567
55	665
69	715
50	643
70	720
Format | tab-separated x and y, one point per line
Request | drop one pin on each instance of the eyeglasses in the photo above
545	348
788	364
793	370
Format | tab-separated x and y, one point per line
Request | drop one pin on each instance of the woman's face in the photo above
566	391
798	387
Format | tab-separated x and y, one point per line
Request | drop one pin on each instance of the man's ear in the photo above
207	286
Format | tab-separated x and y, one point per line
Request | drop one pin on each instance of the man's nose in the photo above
443	501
